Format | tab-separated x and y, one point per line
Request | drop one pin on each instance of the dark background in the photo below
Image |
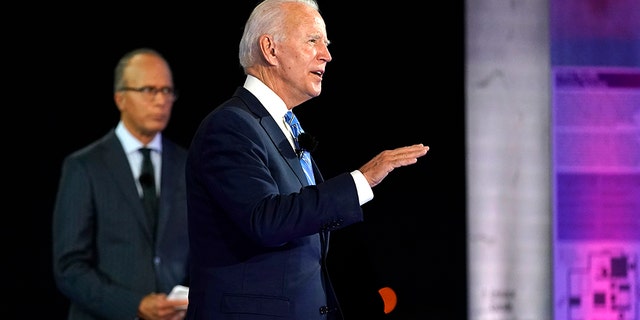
397	78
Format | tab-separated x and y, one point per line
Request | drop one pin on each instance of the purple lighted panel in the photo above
596	152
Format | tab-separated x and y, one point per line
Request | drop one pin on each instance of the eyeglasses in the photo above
150	92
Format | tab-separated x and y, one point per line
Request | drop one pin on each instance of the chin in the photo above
157	126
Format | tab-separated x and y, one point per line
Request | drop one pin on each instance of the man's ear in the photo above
118	96
268	48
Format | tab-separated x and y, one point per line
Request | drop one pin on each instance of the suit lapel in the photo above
274	132
116	162
168	186
280	140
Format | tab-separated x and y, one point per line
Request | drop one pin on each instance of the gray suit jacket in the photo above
104	260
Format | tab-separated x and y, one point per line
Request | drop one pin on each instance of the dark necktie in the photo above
149	195
304	155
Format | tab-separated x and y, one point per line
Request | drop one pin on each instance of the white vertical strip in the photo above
508	159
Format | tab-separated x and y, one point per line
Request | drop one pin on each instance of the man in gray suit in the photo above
107	258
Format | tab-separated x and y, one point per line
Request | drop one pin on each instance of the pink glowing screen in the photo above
596	159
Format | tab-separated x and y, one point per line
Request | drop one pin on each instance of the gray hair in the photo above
118	75
266	18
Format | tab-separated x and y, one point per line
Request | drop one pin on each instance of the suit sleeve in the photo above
74	264
244	164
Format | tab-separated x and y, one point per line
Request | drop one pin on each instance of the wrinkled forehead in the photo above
148	70
305	20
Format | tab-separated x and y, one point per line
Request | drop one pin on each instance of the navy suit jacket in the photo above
259	233
104	260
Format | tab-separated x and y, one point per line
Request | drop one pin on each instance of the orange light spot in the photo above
389	298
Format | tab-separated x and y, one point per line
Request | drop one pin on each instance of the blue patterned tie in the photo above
304	155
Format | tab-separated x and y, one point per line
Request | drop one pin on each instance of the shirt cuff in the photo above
365	193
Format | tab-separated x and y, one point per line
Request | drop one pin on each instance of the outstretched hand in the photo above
379	167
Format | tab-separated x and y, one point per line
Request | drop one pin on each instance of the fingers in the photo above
157	306
381	165
402	156
407	155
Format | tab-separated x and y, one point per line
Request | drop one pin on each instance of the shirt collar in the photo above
131	144
269	99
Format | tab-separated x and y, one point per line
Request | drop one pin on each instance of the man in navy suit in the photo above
107	258
259	229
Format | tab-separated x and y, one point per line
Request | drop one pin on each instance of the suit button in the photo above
324	310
